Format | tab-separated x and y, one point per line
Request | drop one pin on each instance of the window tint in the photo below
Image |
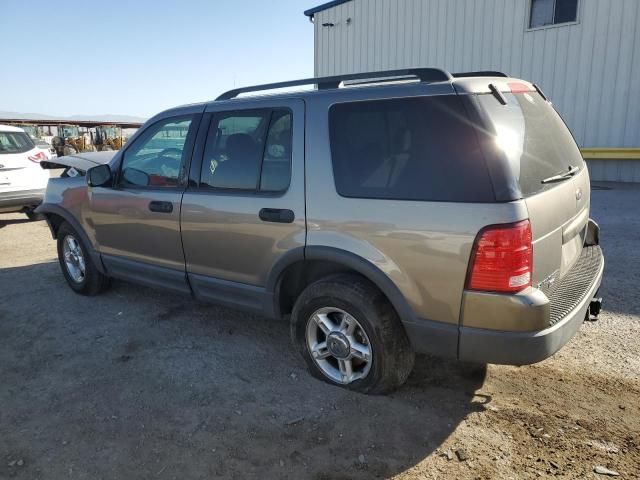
549	12
14	142
154	159
408	149
533	138
245	146
276	167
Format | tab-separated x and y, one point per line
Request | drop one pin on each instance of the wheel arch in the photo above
56	215
300	267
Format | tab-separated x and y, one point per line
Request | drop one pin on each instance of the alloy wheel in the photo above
338	345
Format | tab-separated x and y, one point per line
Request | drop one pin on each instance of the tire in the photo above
341	299
89	281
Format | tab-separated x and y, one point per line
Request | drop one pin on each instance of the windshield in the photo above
14	142
533	138
70	131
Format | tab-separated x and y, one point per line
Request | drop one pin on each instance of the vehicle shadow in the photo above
13	221
138	383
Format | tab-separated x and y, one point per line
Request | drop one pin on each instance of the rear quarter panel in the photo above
423	247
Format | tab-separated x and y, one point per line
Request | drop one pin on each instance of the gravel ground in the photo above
143	384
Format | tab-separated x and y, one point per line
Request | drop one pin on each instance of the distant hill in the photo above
107	118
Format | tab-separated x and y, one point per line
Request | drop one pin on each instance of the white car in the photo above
22	181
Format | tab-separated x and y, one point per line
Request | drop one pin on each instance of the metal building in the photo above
584	54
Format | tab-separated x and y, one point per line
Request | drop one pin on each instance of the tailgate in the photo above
558	218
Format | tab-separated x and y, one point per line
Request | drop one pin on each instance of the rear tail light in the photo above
38	157
502	259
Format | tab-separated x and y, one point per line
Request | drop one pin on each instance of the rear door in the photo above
244	207
541	154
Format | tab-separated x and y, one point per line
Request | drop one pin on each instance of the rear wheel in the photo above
349	335
77	266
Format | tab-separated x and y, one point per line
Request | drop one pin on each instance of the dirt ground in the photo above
143	384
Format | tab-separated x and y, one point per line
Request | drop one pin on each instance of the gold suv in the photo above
384	213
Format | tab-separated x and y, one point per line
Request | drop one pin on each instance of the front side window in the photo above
420	148
248	150
155	158
14	142
552	12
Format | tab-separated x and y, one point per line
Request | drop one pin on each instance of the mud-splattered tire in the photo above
344	319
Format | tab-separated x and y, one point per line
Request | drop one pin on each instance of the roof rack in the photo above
481	73
422	74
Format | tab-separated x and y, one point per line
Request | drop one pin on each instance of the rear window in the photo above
14	142
420	148
533	138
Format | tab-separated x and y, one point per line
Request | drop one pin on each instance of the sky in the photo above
139	57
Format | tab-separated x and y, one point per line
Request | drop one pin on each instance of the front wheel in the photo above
77	266
349	335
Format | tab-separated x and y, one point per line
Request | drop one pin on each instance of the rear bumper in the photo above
16	200
521	348
564	309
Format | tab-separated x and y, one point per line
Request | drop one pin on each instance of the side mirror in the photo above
99	176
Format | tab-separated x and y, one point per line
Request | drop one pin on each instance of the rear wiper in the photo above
561	176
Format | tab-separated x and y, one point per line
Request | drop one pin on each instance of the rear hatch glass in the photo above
533	137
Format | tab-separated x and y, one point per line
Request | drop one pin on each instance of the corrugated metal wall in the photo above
614	170
590	70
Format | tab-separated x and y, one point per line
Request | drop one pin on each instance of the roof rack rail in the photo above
481	73
423	74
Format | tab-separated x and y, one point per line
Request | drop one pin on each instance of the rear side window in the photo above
420	148
14	142
535	141
248	150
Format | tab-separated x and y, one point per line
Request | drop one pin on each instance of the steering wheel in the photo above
167	151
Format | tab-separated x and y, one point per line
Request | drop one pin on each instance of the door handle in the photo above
161	207
278	215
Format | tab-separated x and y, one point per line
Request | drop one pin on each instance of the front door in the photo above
244	208
137	222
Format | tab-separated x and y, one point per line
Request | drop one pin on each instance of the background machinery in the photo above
69	140
108	137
